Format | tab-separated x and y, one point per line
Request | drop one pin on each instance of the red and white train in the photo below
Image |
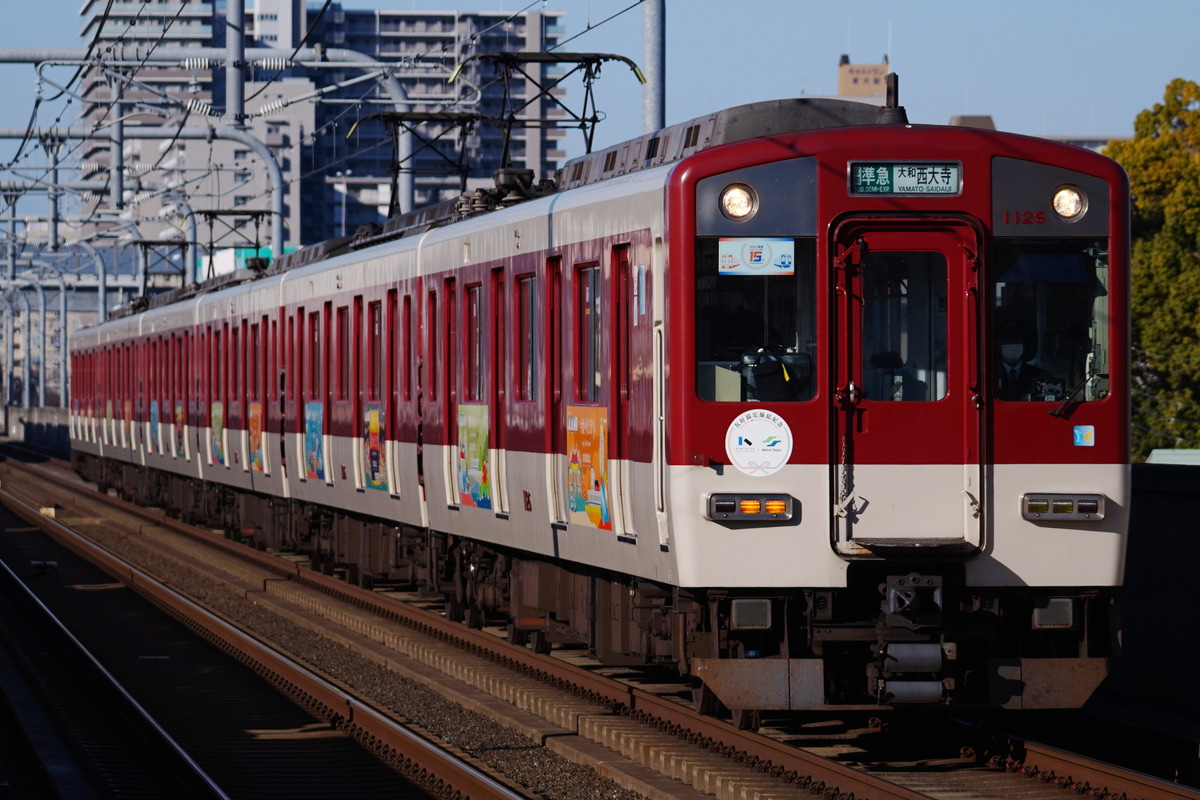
825	409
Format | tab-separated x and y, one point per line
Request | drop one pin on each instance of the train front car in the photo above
899	424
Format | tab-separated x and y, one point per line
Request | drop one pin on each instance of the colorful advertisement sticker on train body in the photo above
216	431
314	442
256	437
179	431
474	487
127	425
374	455
587	466
153	426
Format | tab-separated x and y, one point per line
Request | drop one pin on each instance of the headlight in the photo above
739	202
1069	203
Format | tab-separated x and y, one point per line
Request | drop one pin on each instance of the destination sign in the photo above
905	179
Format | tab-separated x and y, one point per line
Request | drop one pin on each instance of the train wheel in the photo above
746	720
704	701
539	642
516	635
474	617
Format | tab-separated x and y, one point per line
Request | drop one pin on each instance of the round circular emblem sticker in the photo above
758	442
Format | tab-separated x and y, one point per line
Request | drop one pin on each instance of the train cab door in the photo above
905	457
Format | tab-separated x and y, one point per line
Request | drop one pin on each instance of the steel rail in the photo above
777	758
1087	776
189	770
768	755
450	775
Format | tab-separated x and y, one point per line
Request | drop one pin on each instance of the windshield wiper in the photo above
1061	409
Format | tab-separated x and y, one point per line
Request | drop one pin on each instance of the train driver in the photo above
1016	377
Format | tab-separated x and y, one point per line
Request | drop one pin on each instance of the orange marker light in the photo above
777	506
750	506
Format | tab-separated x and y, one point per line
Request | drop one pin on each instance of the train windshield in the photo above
755	318
1050	319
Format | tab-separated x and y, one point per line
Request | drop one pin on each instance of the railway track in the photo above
75	716
578	713
253	740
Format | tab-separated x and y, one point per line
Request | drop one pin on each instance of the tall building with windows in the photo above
350	152
327	127
117	94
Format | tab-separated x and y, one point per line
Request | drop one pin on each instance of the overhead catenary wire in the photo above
131	78
299	47
66	89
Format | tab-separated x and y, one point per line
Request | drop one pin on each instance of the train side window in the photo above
526	334
473	340
212	358
153	366
247	358
405	344
755	326
314	356
289	382
237	360
166	373
270	359
588	335
434	353
374	350
295	360
154	371
224	373
326	387
343	362
163	366
265	370
191	371
255	365
1050	320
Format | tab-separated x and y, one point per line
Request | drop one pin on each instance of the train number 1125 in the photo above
1024	217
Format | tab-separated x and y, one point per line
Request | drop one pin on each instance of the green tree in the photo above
1163	162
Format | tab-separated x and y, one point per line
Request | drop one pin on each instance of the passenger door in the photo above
907	405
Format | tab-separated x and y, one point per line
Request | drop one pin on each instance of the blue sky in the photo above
1040	67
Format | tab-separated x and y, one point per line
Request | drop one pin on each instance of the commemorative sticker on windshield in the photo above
758	442
756	256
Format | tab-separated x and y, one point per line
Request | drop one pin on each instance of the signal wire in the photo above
299	47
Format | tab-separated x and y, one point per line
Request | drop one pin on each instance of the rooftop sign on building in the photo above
861	80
